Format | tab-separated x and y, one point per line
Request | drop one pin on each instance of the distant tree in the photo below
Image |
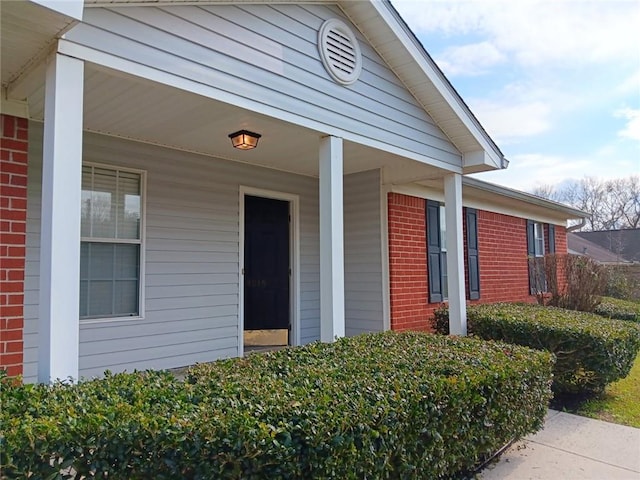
611	204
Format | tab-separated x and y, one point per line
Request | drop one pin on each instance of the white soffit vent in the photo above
340	51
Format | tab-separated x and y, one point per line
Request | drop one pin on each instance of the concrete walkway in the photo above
571	447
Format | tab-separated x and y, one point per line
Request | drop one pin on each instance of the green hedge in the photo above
590	351
377	406
619	309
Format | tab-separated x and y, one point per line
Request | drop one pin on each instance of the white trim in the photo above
455	254
422	191
15	108
100	58
68	8
523	196
444	88
536	238
59	326
386	276
142	242
294	260
332	305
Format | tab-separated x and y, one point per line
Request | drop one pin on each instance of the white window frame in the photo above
141	242
536	238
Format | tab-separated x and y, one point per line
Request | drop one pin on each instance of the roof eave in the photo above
524	197
412	48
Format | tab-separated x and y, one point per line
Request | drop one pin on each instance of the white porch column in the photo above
58	342
455	254
331	240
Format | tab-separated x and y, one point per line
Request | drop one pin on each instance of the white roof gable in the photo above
390	36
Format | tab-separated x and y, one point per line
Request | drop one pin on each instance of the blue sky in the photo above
556	83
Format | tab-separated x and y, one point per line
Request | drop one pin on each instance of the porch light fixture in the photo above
244	139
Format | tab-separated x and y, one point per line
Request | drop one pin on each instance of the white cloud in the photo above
632	128
472	59
507	120
631	84
528	170
564	32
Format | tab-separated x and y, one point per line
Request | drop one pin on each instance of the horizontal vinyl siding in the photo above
363	253
268	54
192	249
32	264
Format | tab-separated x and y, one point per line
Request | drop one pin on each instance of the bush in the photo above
621	282
590	351
390	405
619	309
584	285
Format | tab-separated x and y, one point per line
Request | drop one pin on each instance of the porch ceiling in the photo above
28	31
128	107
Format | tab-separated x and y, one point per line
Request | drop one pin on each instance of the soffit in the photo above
28	33
129	107
492	197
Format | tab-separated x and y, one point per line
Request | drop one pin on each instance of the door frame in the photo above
294	261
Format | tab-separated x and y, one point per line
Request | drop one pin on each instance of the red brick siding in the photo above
13	209
504	270
502	242
408	263
561	249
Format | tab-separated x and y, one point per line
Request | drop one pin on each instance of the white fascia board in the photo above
74	50
524	197
496	203
479	160
168	3
68	8
437	78
15	108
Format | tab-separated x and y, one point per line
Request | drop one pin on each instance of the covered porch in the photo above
92	113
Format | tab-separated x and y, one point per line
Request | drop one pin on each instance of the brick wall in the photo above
408	263
504	274
504	270
561	249
13	207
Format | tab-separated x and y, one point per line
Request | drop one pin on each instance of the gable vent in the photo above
340	51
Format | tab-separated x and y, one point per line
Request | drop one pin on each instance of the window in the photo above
443	254
111	242
437	253
535	253
538	232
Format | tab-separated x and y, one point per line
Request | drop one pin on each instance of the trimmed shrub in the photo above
590	351
389	405
619	309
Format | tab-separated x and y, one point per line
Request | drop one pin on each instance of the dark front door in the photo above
266	264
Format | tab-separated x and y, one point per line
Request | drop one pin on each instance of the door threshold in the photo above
249	349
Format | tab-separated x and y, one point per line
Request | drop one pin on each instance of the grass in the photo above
620	403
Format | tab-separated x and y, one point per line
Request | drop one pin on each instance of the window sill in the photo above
102	321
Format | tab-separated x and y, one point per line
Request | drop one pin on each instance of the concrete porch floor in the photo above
571	447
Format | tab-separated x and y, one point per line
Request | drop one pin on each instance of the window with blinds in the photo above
111	242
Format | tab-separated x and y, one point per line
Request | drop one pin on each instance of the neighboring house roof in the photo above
625	242
581	246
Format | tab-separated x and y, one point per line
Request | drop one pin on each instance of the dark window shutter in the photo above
531	253
472	253
434	265
552	238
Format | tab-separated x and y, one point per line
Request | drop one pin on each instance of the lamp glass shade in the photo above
244	139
